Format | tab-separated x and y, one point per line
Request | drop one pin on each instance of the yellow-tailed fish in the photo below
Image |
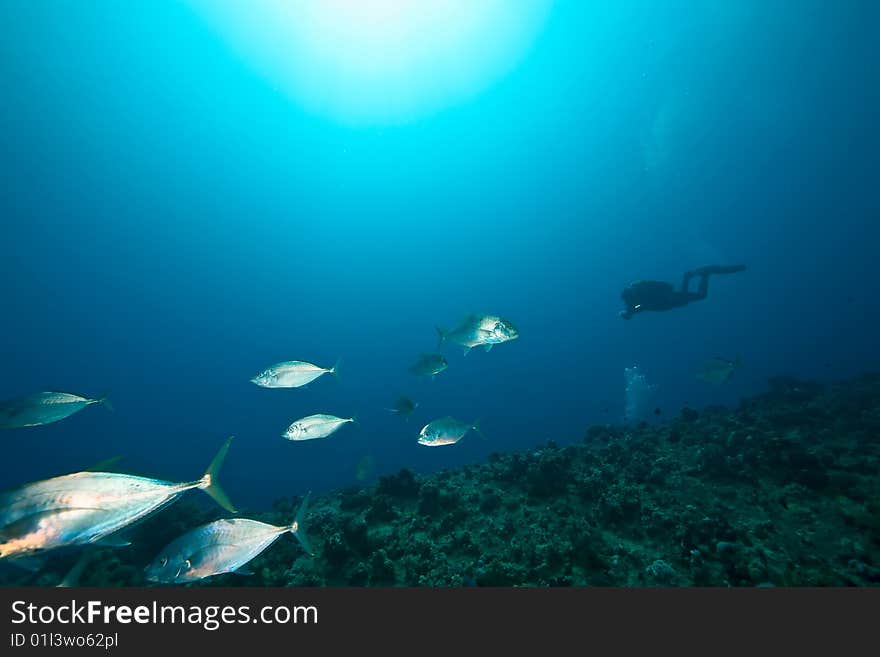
222	546
292	374
446	431
90	507
43	408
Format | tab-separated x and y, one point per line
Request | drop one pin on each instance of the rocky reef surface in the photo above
783	490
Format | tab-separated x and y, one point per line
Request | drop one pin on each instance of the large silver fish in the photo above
222	546
446	431
88	507
292	374
479	330
43	408
319	425
429	365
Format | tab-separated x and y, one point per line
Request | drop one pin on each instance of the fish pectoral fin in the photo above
487	347
30	523
244	570
466	350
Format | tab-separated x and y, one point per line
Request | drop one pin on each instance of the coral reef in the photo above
783	490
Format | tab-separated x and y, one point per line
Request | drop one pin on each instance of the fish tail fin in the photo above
209	483
73	575
335	369
103	401
476	427
298	527
441	336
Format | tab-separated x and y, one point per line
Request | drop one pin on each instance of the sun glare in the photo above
379	61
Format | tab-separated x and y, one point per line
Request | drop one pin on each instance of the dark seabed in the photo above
190	195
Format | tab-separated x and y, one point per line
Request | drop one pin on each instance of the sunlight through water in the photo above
378	61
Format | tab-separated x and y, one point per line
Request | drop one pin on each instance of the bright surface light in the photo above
379	61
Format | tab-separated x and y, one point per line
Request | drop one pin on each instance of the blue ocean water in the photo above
173	222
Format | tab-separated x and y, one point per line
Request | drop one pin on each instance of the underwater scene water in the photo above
556	294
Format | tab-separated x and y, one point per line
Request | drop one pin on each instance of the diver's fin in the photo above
209	482
298	527
488	347
476	427
335	369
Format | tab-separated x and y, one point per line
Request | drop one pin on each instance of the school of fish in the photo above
95	507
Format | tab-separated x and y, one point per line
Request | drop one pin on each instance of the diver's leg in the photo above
686	281
685	296
704	273
703	290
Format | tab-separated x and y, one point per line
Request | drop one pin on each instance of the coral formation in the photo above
783	490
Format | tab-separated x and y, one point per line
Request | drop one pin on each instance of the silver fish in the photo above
292	374
718	370
88	507
43	408
479	330
446	431
319	425
222	546
429	365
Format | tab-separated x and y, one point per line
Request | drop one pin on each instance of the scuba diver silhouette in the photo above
643	296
